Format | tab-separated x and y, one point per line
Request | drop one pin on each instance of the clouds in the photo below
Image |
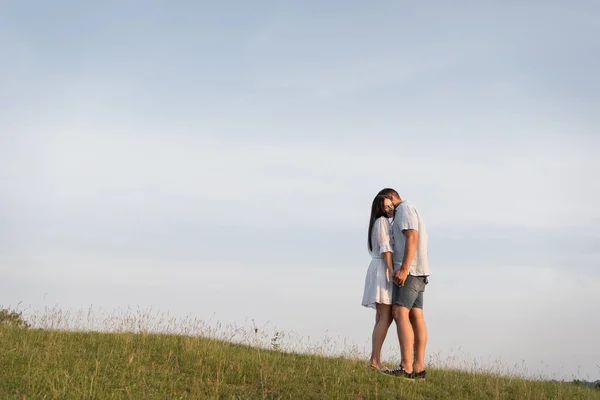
98	168
84	185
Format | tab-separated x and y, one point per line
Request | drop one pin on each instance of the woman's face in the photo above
388	208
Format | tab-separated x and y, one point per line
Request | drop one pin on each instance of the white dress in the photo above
378	289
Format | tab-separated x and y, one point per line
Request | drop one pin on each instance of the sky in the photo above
219	161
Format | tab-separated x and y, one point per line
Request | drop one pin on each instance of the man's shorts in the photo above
411	294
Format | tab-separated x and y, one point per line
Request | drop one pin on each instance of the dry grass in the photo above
142	355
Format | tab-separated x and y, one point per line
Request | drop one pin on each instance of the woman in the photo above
378	283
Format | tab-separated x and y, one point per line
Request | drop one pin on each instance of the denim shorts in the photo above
411	294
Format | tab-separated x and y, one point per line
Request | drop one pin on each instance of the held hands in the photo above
400	276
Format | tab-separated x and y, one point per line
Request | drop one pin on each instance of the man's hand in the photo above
400	276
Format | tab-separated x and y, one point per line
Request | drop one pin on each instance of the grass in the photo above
65	364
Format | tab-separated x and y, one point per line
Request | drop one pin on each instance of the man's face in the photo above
395	200
388	207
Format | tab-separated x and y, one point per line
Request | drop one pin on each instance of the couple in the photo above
396	280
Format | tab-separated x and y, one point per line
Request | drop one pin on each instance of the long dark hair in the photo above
377	211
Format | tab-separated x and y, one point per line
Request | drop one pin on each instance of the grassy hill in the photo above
36	363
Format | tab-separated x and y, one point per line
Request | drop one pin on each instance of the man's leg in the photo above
405	336
420	330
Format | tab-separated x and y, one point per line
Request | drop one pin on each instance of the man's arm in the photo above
410	248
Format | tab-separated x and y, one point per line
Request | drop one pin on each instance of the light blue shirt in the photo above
408	217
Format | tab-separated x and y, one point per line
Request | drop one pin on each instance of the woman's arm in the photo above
389	266
385	245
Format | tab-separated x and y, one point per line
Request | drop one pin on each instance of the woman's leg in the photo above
383	320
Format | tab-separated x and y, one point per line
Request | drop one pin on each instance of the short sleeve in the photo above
382	235
408	219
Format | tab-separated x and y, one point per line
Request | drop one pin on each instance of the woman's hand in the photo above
389	273
389	268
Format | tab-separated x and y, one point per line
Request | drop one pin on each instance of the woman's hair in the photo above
377	211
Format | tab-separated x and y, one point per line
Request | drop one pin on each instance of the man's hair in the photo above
388	192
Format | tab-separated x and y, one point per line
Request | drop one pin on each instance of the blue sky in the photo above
220	159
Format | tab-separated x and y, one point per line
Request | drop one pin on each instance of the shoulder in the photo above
382	222
408	216
407	206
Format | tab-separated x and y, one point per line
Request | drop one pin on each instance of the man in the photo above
411	272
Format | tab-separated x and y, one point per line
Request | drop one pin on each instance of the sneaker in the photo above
382	369
420	375
400	372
